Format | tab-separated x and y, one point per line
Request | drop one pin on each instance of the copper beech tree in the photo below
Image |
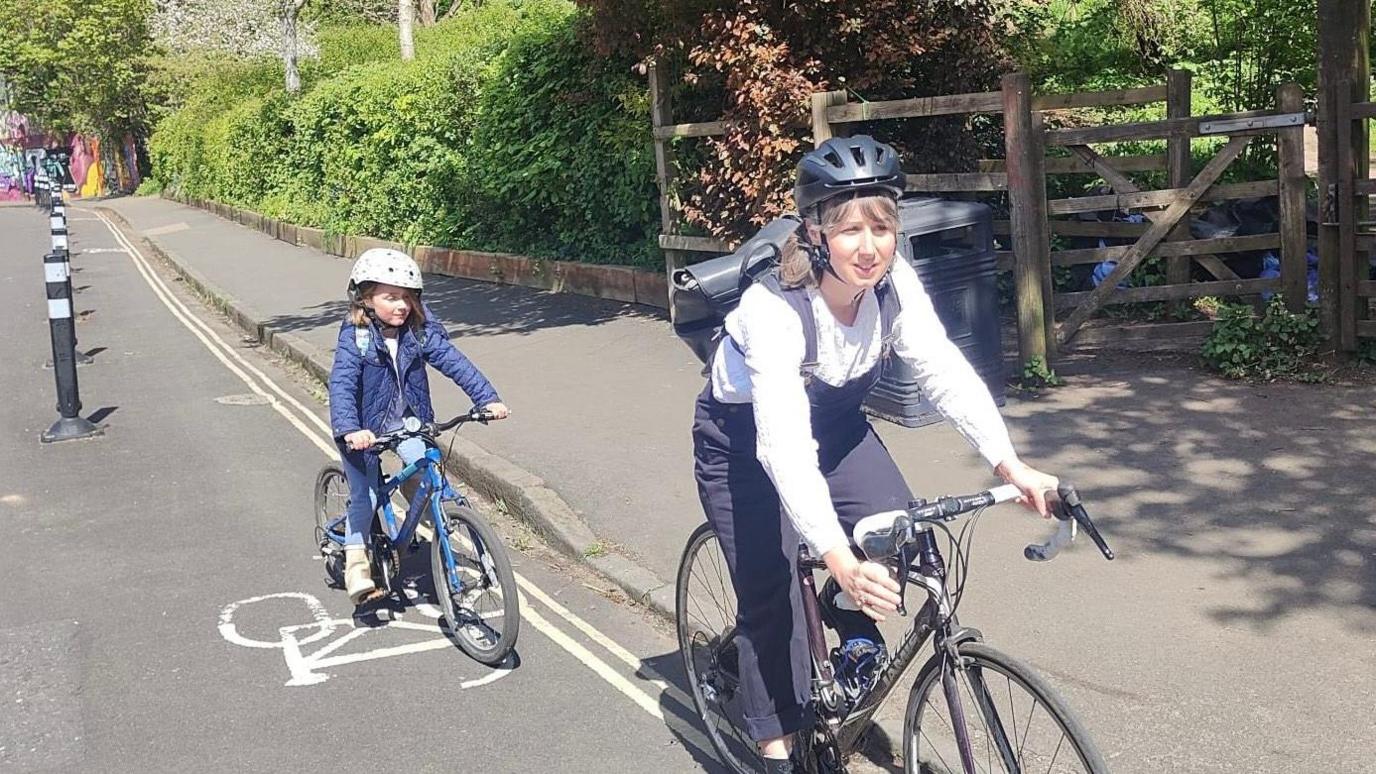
756	64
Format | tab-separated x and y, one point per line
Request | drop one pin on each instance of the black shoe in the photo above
781	766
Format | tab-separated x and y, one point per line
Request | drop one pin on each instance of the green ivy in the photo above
1037	374
1278	344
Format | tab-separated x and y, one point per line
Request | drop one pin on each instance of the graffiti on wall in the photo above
88	167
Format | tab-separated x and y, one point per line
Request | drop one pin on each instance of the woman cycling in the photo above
782	451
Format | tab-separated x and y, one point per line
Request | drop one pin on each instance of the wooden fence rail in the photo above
1033	220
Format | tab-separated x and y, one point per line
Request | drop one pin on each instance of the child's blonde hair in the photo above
415	319
795	265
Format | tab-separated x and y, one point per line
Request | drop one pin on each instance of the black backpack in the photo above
703	294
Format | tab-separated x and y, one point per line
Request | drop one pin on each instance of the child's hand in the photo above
360	440
497	410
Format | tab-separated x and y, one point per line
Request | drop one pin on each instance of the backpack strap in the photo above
802	306
797	299
889	307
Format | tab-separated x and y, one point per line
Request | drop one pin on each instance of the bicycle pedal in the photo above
373	596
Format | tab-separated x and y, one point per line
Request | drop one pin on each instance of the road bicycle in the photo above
474	583
970	709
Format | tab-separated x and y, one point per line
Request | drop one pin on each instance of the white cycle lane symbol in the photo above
324	642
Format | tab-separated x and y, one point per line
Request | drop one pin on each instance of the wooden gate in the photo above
1019	181
1166	210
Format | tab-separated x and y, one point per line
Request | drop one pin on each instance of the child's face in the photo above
391	304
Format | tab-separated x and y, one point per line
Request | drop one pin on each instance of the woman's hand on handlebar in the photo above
360	440
497	410
1033	483
867	583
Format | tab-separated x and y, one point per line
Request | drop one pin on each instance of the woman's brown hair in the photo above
415	320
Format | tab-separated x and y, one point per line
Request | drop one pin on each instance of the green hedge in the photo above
503	134
562	156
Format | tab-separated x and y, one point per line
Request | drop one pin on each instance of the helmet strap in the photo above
818	253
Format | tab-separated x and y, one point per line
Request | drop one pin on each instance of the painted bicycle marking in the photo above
332	635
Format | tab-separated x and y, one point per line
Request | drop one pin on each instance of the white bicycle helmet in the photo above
385	266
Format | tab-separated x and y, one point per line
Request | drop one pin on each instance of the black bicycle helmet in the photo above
844	165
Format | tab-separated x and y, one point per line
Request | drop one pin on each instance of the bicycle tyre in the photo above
735	750
471	629
984	658
330	484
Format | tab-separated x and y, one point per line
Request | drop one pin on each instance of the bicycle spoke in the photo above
720	606
1027	729
701	581
726	618
726	593
939	756
1055	755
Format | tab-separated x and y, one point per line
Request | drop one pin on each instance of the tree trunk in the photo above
427	13
290	9
406	12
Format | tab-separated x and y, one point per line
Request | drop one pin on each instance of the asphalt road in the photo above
1233	633
149	575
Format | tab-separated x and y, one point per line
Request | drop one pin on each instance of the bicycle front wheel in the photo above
705	616
475	585
1006	716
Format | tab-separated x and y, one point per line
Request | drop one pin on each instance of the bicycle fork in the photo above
949	636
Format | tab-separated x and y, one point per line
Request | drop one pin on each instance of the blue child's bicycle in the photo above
474	583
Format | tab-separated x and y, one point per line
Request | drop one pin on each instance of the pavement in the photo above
1232	634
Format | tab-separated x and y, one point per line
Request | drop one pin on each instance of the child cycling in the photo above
379	379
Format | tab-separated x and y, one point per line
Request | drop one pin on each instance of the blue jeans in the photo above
364	472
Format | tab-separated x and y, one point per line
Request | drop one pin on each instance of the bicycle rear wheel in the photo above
1013	720
331	503
478	598
705	616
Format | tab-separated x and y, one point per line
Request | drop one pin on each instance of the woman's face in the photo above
391	304
862	249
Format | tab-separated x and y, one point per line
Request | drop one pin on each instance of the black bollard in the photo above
57	225
70	424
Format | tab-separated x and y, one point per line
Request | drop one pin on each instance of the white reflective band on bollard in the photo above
59	241
59	308
57	223
56	272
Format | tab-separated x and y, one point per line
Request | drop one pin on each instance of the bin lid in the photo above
923	215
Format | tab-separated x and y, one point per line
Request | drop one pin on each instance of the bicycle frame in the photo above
400	532
927	570
907	541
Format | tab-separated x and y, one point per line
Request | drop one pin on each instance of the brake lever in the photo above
1076	509
903	526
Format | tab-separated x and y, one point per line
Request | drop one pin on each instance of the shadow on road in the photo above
471	308
1265	484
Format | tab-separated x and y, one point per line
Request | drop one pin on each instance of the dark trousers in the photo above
761	546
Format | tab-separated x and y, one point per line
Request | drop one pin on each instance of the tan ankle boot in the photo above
358	576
